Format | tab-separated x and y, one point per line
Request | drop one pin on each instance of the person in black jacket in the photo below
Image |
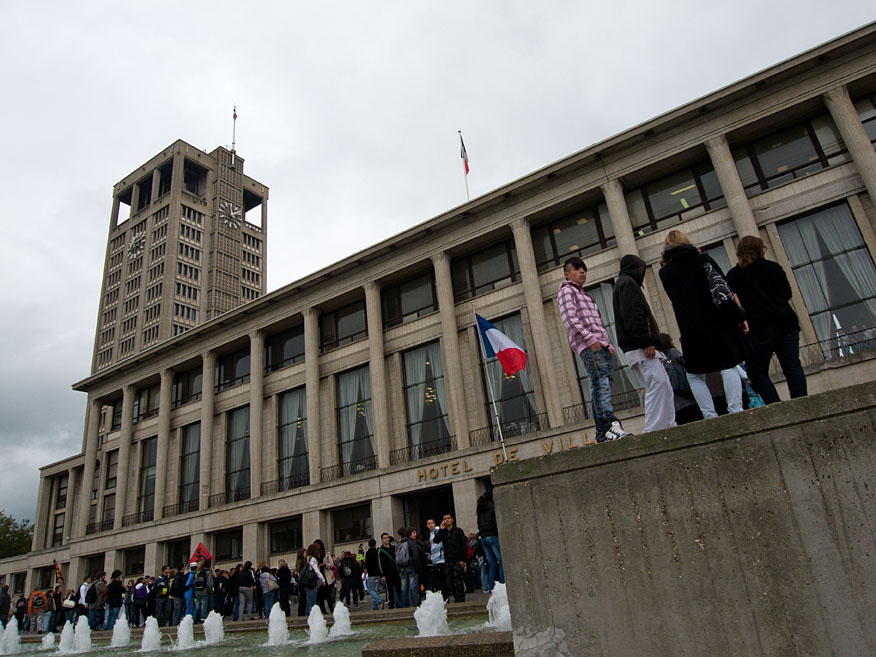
637	336
489	531
764	292
455	545
284	581
5	604
388	570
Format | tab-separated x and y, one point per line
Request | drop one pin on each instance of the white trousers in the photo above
659	398
732	391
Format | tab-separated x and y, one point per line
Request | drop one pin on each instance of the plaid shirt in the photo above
581	317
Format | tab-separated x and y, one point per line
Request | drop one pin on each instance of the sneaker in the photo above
616	431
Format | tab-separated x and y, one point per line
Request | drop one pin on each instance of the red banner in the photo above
200	553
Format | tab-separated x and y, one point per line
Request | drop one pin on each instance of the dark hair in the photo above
574	263
404	532
485	501
372	542
207	563
384	534
313	550
665	343
749	249
116	573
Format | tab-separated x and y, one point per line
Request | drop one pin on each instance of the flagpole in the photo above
464	172
490	384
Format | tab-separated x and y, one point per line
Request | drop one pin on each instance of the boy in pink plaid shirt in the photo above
591	342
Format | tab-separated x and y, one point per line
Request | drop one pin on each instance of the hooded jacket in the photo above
634	323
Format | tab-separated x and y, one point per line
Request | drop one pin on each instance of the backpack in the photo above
21	606
307	578
91	595
178	588
201	581
163	587
403	554
141	592
39	602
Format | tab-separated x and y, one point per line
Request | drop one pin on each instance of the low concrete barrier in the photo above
489	644
752	534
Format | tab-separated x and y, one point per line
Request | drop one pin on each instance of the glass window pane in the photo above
719	254
351	321
745	168
462	287
638	212
489	266
416	295
866	109
673	194
541	245
784	151
828	136
576	233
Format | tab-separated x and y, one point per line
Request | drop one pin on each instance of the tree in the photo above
15	536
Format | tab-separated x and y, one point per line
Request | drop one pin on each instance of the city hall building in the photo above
354	401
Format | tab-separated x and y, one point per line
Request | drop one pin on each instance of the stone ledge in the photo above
490	644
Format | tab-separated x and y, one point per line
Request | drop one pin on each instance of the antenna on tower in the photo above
233	134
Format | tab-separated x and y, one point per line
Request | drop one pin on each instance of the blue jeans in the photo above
95	618
203	605
601	371
268	602
311	599
111	617
410	587
371	585
179	610
490	544
785	343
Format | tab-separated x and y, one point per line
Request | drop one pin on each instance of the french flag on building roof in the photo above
496	343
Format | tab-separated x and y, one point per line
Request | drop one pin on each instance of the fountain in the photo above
278	631
341	626
498	609
121	633
214	632
66	638
431	616
11	642
82	636
185	634
318	628
48	642
151	636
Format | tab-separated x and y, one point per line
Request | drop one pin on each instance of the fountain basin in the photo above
491	644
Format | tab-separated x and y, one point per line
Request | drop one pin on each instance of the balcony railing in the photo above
97	527
834	348
620	402
348	469
487	435
220	499
415	452
286	483
137	518
179	509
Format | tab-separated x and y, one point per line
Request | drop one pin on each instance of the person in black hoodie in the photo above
455	544
637	336
5	604
351	575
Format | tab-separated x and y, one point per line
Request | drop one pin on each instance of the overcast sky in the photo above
348	111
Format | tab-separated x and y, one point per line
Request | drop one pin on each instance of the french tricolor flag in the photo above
496	343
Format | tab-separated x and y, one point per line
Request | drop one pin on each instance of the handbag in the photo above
68	604
678	378
722	295
273	586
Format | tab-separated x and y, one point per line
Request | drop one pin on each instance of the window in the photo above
165	174
190	467
61	495
116	422
409	300
146	500
683	195
578	234
134	561
237	455
45	579
284	348
18	582
790	153
484	271
286	536
866	107
352	523
58	530
177	553
109	508
112	468
232	369
146	402
834	271
343	326
194	179
186	386
425	401
293	469
718	253
228	546
355	434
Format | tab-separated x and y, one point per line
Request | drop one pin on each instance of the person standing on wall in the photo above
489	531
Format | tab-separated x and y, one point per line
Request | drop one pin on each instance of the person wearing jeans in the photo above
489	532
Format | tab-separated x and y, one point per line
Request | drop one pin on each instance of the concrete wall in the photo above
746	535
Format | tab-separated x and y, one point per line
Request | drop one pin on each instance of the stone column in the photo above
537	322
72	483
93	424
43	517
854	135
465	496
453	381
256	409
311	382
620	217
731	185
124	455
164	408
156	183
377	370
208	394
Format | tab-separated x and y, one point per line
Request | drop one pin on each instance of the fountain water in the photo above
431	616
278	631
66	638
11	642
341	626
318	628
48	642
214	632
151	636
121	633
185	634
82	636
498	609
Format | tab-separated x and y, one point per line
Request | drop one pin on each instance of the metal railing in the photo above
833	348
97	527
137	518
620	402
487	435
228	497
178	509
415	452
347	469
286	483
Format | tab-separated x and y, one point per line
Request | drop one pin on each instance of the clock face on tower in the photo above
229	214
135	248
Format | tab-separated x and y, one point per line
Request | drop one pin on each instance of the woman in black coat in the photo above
710	340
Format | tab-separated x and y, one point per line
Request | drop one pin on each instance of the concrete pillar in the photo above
311	378
377	370
314	524
156	183
124	455
453	381
43	518
854	135
387	515
164	404
150	559
208	394
620	217
93	424
251	543
465	497
72	485
731	185
537	322
256	408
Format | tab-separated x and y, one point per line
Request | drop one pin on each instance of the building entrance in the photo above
431	503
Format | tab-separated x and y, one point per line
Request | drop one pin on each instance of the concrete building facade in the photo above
354	401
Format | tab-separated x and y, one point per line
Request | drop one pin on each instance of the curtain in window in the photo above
293	438
354	408
415	394
237	465
190	468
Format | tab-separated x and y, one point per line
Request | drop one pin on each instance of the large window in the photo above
355	434
109	508
228	546
237	455
790	153
61	495
352	523
343	326
293	466
112	469
177	552
577	234
146	402
146	500
134	560
187	386
286	536
58	530
409	300
682	195
189	467
484	271
425	401
866	107
116	422
834	272
232	369
284	348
